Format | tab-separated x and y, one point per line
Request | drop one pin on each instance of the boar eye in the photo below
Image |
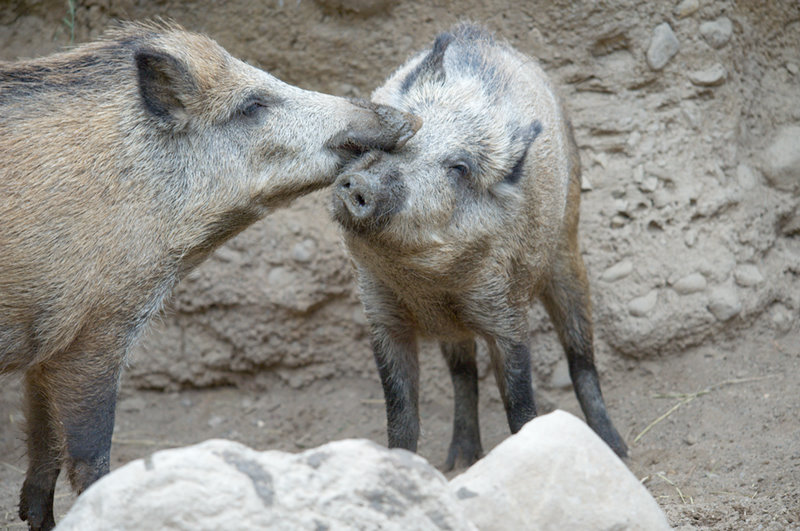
252	107
459	169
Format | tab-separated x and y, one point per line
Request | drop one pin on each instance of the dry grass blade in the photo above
685	398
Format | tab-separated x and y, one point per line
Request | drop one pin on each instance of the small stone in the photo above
746	177
617	222
663	46
781	318
617	271
560	379
216	420
781	159
712	76
690	440
686	8
304	251
724	303
227	254
641	306
718	32
690	238
649	184
792	68
747	275
586	184
692	283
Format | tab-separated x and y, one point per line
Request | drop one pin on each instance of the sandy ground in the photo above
726	454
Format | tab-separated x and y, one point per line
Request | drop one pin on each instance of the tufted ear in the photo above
164	84
431	68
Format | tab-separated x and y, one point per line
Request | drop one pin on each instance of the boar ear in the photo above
431	68
164	84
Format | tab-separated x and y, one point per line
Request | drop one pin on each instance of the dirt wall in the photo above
690	232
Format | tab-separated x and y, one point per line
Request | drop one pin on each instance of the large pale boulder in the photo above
218	484
555	474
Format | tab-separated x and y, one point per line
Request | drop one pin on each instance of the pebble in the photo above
781	318
692	283
690	238
781	159
792	68
712	76
617	222
215	421
641	306
686	8
649	184
724	303
586	184
747	275
560	379
663	46
718	32
617	271
746	177
304	251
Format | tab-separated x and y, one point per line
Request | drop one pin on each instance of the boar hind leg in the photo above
44	456
511	361
465	448
398	367
566	297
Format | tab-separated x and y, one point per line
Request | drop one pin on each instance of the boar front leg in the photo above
566	297
465	447
398	366
511	361
71	399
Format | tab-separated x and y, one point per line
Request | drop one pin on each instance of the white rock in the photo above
617	271
352	484
692	283
718	32
724	303
686	8
747	275
663	46
792	68
781	159
555	473
560	379
712	76
641	306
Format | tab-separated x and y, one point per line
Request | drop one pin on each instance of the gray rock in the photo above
781	159
663	46
718	32
724	303
712	76
686	8
692	283
746	177
747	275
218	484
781	318
617	271
792	68
560	379
555	473
641	306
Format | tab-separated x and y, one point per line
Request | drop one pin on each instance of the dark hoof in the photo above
36	507
462	455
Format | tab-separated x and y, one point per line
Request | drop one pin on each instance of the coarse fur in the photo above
486	223
123	164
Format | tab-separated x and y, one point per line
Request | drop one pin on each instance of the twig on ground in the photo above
685	398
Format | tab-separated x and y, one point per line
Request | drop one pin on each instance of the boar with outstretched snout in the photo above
454	235
123	164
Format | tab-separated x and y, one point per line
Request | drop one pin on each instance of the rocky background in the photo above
688	118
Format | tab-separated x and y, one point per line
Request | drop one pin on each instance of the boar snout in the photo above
375	127
357	194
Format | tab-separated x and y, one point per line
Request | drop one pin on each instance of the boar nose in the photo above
375	127
357	194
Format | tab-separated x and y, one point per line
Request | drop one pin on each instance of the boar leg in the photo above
566	297
44	456
465	447
511	361
398	365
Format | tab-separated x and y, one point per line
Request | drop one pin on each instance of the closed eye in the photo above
251	108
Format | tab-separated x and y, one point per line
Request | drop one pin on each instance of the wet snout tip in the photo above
356	195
